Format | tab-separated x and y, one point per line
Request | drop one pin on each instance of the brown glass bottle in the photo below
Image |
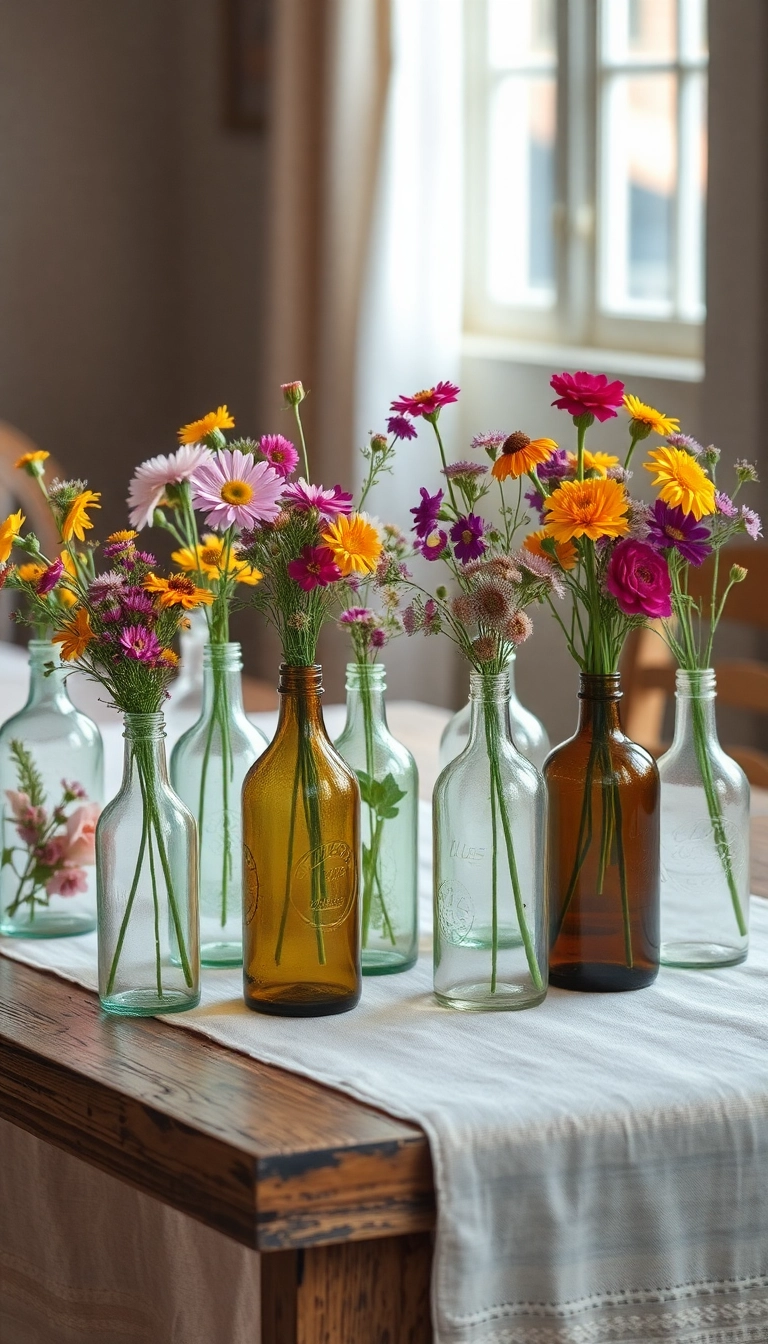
301	838
602	851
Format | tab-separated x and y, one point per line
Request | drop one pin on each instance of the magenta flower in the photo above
638	577
117	548
428	403
378	638
135	602
670	527
467	538
401	427
314	568
137	642
725	505
146	558
356	616
50	577
231	488
329	503
556	467
426	513
433	545
280	454
73	788
752	523
536	502
587	394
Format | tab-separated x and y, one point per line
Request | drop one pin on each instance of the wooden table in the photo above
339	1197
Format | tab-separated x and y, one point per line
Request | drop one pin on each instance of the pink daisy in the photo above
314	568
232	488
329	503
151	478
427	403
139	643
280	454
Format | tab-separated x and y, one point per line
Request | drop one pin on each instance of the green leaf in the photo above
7	857
381	795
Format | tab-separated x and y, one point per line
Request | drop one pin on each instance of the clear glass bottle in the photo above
389	789
208	766
186	693
146	865
602	850
528	733
704	837
301	855
490	932
54	899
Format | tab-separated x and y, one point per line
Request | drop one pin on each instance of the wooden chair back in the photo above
648	668
18	490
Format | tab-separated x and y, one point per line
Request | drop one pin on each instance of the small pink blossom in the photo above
428	403
314	568
52	853
280	454
81	834
20	804
329	503
67	882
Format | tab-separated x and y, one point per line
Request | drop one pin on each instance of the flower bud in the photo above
293	393
738	573
745	471
441	592
639	429
711	455
378	443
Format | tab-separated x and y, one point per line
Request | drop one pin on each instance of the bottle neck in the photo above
599	698
300	689
366	684
696	695
488	706
144	736
47	688
222	676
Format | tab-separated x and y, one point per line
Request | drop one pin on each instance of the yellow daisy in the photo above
649	418
65	595
355	544
127	534
75	637
197	430
27	458
31	572
683	483
177	591
519	455
168	658
9	531
596	462
208	559
593	508
77	520
565	551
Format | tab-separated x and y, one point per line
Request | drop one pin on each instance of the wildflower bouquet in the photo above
492	584
119	632
691	521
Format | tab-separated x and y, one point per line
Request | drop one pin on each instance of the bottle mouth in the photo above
224	656
700	681
366	674
294	680
600	686
143	725
489	685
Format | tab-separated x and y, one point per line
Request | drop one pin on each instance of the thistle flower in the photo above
401	427
464	608
490	441
725	505
518	628
501	567
105	586
484	648
752	524
457	471
745	471
494	602
688	444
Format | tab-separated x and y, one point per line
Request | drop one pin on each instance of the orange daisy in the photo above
519	455
75	637
594	508
178	590
565	551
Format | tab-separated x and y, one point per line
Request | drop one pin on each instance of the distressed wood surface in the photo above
269	1158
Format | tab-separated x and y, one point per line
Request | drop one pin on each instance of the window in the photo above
586	171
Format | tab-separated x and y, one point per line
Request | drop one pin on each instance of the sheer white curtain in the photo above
411	314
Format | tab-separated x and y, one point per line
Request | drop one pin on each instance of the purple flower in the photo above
105	586
378	638
638	577
685	442
136	641
725	505
470	470
74	789
467	537
50	577
329	503
556	467
315	568
356	616
401	427
409	620
135	602
280	454
114	548
146	558
670	527
433	545
536	502
752	523
430	623
490	441
426	513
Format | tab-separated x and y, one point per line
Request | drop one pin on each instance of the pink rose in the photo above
638	577
53	852
81	834
67	882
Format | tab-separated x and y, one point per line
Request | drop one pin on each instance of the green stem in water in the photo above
289	862
156	904
715	810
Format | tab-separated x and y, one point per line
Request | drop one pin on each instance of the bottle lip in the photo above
491	684
370	672
229	655
699	681
43	646
144	725
306	678
600	686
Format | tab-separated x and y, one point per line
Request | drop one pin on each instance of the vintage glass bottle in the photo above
528	733
490	927
146	864
301	857
704	837
389	788
602	850
208	766
63	745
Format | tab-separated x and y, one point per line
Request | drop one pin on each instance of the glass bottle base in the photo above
148	1003
701	956
50	924
221	954
477	998
598	978
481	935
303	1000
382	961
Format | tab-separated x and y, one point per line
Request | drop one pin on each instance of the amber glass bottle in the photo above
301	842
602	851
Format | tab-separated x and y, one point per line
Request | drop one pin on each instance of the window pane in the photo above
639	30
521	192
693	196
694	38
639	178
521	33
